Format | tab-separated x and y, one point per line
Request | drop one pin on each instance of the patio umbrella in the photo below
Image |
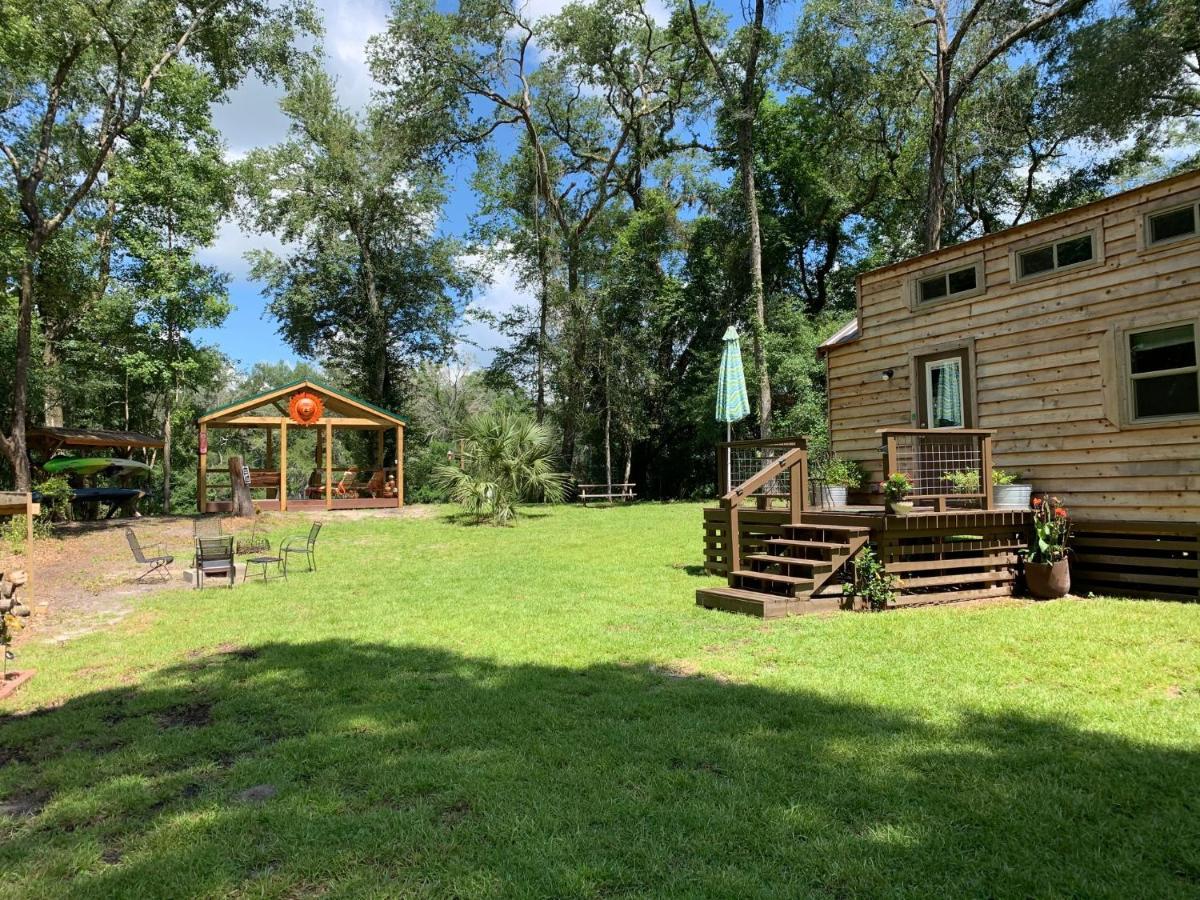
732	402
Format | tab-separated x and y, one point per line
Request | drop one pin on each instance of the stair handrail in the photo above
767	473
732	499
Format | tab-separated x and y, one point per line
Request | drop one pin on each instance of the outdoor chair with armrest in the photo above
159	563
214	556
306	544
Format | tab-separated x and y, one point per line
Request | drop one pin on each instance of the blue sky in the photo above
251	118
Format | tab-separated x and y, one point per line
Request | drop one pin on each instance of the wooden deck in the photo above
217	506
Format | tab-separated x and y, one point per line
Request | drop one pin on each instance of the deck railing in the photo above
931	456
765	472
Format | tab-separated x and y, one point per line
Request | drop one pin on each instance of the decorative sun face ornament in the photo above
305	408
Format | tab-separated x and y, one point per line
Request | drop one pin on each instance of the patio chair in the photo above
256	543
214	556
205	527
159	564
302	544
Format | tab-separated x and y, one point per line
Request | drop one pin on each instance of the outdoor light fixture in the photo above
887	374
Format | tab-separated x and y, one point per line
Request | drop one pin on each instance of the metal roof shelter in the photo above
306	403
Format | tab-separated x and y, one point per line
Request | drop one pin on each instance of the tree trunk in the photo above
167	452
243	504
14	445
607	433
757	293
940	112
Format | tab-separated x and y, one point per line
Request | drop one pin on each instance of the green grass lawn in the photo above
542	711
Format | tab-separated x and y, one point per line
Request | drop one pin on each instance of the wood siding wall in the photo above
1046	361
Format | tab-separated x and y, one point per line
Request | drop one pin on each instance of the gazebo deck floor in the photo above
214	506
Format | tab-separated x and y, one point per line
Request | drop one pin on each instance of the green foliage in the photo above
966	481
896	487
507	458
421	465
364	286
833	470
56	494
871	583
14	532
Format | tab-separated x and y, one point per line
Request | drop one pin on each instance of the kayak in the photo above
86	466
71	465
117	495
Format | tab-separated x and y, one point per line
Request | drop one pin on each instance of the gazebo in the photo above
307	404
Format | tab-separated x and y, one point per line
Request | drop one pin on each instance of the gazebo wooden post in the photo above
283	431
329	465
399	465
202	472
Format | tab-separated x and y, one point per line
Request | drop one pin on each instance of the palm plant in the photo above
507	457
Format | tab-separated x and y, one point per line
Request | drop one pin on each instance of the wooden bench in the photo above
267	480
608	492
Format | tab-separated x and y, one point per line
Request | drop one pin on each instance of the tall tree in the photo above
965	38
741	74
368	288
75	78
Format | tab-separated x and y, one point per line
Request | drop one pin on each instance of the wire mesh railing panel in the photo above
941	464
746	462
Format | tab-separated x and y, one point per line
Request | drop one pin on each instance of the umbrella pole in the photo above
728	456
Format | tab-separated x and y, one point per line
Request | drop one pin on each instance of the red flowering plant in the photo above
1051	531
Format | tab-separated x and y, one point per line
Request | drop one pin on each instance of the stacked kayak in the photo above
87	466
91	466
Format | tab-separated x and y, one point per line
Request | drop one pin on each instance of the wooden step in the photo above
837	529
766	606
787	586
812	565
740	600
805	545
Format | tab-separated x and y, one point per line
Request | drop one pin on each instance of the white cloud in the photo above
503	293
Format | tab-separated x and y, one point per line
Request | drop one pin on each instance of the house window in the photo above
1173	224
1064	254
1163	374
948	284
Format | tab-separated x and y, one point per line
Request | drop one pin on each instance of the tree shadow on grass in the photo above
283	769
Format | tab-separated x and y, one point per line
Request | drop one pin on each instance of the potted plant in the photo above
836	477
1047	572
895	489
1007	492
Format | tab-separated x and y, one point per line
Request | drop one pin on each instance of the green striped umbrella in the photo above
732	402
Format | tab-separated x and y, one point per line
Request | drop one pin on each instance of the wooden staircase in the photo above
795	567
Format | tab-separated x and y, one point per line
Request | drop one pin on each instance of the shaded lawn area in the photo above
541	711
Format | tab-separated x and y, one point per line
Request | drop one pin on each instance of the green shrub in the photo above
871	582
421	484
13	532
56	494
837	472
966	481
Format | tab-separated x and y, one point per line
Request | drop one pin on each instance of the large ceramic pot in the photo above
834	494
1048	581
900	507
1011	496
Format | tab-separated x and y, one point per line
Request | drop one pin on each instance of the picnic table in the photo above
624	490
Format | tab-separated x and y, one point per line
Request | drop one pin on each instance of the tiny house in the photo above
1064	351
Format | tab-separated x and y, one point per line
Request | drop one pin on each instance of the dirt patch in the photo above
455	814
258	794
85	577
186	715
26	805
